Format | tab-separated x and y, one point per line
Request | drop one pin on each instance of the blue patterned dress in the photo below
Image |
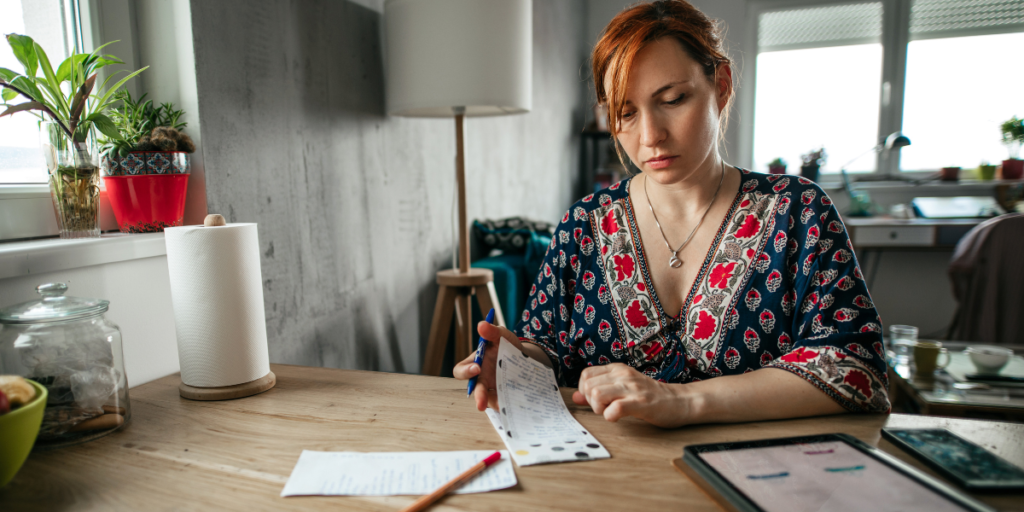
780	288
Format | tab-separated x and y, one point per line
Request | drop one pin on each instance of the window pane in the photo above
959	90
818	97
21	158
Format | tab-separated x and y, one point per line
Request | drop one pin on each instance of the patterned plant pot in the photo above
147	189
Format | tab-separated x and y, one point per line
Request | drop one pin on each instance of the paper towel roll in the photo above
217	294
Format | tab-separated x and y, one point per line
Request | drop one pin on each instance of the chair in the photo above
987	274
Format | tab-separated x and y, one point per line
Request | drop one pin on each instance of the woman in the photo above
695	291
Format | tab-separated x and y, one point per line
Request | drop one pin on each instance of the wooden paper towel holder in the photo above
226	392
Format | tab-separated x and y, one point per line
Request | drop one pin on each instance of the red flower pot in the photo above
147	190
780	169
1013	169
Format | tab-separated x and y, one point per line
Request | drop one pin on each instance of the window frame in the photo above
895	40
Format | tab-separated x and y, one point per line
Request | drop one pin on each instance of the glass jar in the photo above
65	344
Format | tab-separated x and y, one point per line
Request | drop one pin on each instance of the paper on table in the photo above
533	421
393	473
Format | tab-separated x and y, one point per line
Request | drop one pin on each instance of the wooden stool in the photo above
455	294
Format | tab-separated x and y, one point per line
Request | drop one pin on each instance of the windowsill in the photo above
31	257
831	183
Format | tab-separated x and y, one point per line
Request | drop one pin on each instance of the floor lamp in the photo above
458	58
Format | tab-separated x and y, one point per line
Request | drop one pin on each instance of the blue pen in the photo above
480	347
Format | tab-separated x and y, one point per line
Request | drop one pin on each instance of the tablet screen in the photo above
829	475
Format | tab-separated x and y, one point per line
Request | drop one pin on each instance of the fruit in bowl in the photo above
21	412
988	359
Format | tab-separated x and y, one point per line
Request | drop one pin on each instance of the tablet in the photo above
834	472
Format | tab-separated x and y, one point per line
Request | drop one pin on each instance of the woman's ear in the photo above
723	85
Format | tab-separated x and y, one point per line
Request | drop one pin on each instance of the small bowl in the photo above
18	430
988	359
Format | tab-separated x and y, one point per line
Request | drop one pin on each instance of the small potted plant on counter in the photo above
1013	137
986	171
777	166
812	163
65	102
146	168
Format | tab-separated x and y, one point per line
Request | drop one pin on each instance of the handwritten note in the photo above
393	474
532	419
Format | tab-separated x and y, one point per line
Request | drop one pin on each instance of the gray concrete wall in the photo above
354	207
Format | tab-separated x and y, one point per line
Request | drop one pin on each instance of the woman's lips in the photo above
661	162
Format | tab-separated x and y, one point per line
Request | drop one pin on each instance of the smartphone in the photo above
958	459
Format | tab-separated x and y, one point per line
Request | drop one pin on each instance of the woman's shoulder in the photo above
600	199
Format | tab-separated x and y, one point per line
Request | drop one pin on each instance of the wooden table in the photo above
236	455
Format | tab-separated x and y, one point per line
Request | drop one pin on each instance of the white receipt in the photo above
393	473
533	420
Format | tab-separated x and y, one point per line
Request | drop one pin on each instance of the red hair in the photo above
633	29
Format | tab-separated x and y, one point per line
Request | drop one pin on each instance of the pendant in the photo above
674	261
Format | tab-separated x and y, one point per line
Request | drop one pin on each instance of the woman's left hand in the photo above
617	390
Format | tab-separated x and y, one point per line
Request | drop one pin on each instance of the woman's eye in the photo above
677	100
628	115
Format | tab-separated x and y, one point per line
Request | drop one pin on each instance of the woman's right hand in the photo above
485	392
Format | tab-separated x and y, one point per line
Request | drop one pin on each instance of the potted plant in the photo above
812	163
986	171
64	100
1013	137
146	168
777	166
951	173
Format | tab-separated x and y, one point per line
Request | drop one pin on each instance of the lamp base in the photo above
228	392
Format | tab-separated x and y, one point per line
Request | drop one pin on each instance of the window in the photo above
829	75
963	80
21	157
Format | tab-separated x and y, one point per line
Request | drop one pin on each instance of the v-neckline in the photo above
641	254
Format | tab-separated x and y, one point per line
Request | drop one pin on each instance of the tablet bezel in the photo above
691	456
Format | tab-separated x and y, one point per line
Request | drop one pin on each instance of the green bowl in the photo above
18	430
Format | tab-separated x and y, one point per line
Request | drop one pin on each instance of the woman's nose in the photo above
652	131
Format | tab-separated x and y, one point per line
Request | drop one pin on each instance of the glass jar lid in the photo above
53	307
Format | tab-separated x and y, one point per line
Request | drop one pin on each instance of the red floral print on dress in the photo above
706	325
720	275
608	224
800	355
624	267
859	381
732	358
749	228
635	315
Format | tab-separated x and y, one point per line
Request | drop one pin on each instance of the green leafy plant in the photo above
144	127
778	162
815	157
1013	135
65	95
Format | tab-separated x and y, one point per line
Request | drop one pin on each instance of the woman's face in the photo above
669	124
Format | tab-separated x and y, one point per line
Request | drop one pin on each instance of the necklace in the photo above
674	260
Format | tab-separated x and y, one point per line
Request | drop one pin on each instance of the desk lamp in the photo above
458	58
860	201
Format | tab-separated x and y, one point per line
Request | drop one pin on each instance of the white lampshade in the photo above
442	54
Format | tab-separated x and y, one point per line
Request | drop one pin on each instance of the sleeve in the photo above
548	311
837	343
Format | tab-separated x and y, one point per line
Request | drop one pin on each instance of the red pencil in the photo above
429	499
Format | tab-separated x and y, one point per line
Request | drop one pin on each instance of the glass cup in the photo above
904	337
926	358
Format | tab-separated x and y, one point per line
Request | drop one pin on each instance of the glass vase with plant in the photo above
1013	137
64	100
